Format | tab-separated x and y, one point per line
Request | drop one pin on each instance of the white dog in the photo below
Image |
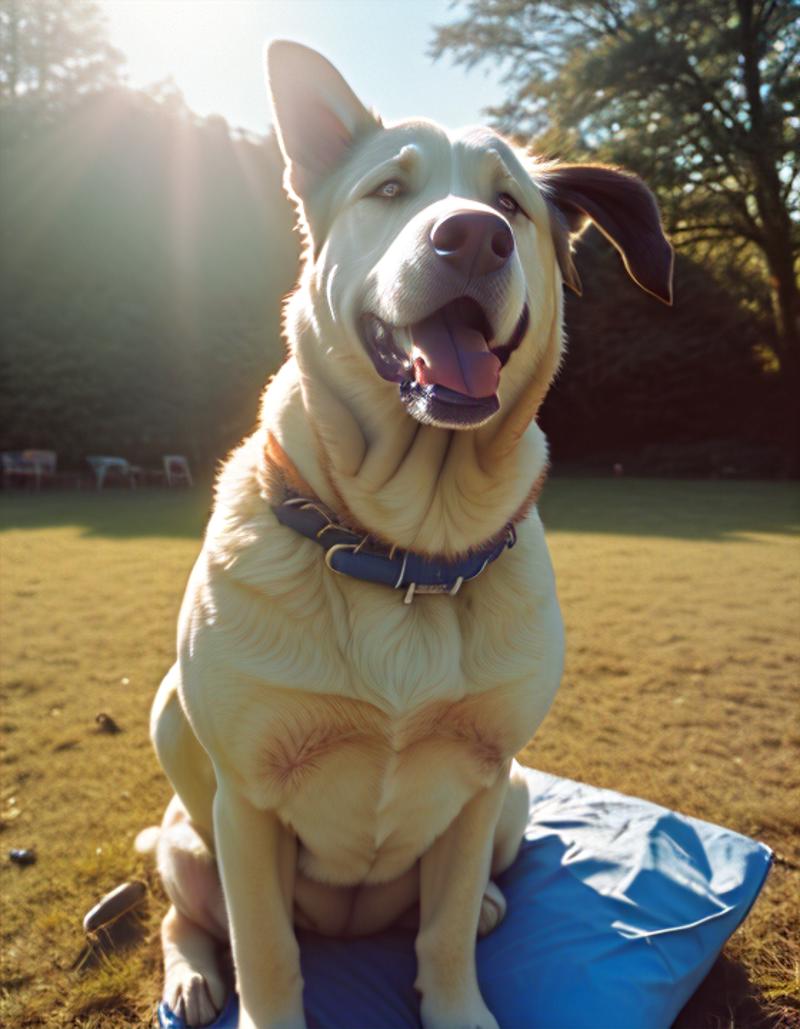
341	722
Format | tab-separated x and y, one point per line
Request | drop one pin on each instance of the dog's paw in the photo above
288	1021
195	998
493	909
474	1015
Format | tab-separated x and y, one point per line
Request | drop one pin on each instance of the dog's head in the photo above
434	261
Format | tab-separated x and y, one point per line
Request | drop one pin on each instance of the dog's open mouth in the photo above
447	364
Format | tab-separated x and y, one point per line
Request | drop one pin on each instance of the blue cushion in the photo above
617	908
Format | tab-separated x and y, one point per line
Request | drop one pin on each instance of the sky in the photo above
213	49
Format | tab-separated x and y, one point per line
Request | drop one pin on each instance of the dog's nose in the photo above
473	242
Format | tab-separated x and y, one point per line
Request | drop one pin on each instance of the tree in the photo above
140	301
52	51
147	253
700	98
677	390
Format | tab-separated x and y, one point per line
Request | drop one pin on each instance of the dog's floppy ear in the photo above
317	115
622	208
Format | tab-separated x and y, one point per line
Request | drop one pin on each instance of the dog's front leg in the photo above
454	874
257	858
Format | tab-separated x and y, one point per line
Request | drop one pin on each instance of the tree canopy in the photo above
140	300
52	51
146	252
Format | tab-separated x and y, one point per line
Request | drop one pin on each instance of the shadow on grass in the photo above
671	508
114	513
667	508
726	998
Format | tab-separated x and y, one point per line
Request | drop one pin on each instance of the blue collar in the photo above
354	554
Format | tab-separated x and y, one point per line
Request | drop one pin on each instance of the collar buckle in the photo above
347	552
414	589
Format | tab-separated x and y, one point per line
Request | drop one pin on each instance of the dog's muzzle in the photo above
447	364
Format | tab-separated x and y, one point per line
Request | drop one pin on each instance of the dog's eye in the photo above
389	190
507	203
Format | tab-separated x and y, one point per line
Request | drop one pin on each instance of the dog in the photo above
371	631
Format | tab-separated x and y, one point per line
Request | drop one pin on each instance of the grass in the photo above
681	600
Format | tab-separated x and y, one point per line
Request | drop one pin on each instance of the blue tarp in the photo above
617	909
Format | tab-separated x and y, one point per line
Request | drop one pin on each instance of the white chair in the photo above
176	470
102	464
29	464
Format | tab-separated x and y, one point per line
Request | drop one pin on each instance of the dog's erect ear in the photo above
317	115
623	209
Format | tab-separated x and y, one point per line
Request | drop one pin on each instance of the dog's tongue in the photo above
449	352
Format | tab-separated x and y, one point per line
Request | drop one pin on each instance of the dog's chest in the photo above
366	791
367	725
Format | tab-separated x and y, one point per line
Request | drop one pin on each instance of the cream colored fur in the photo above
339	756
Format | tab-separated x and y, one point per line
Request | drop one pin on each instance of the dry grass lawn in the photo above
682	605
